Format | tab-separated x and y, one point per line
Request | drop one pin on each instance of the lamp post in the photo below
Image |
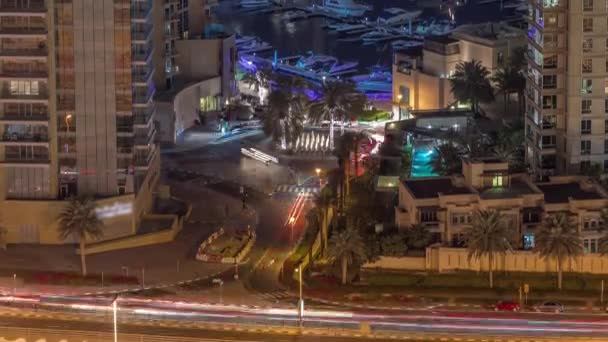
68	119
400	98
301	301
318	171
114	314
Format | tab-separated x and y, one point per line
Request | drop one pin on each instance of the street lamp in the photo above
318	171
114	312
301	301
68	118
400	98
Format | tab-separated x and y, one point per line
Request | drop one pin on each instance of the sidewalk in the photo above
156	265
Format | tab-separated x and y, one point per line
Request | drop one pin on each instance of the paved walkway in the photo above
158	264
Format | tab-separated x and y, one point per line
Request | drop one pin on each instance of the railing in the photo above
24	73
19	158
13	137
40	52
19	6
147	139
24	117
23	31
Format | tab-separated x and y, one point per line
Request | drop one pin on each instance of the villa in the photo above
422	82
445	204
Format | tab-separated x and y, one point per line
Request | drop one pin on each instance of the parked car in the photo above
506	305
550	307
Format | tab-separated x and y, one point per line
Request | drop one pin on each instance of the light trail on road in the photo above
490	323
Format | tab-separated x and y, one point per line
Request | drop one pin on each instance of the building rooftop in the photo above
487	31
517	188
445	39
432	187
561	193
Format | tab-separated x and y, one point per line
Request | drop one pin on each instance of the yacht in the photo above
240	40
343	8
396	16
404	44
343	28
376	35
254	46
255	3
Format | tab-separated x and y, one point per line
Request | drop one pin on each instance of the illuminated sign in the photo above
116	209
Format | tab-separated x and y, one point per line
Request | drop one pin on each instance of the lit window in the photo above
587	86
586	106
588	44
587	65
587	5
497	181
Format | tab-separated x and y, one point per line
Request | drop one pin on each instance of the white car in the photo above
550	307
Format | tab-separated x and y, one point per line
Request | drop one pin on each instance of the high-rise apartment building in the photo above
176	20
567	90
76	111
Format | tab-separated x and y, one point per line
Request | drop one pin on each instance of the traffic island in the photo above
226	247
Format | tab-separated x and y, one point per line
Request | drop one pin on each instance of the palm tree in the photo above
346	247
559	239
274	120
446	160
487	235
346	145
79	220
324	202
337	101
470	83
417	236
502	79
259	81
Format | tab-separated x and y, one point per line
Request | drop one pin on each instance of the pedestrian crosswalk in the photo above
277	296
297	189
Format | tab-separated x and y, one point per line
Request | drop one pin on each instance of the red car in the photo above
507	306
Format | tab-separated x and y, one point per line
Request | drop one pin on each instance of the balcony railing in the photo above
8	116
26	159
26	138
39	52
7	95
19	6
24	73
139	13
23	31
145	139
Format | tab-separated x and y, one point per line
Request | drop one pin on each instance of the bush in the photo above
374	115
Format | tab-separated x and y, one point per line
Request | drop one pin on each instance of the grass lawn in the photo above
374	115
459	287
68	278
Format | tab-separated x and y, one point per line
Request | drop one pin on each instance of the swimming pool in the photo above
422	155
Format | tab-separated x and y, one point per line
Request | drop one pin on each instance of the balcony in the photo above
124	130
31	139
7	96
143	120
140	14
21	159
24	74
24	118
19	8
142	97
141	77
142	162
140	36
145	140
40	53
141	56
17	32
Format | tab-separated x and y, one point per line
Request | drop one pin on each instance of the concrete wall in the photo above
456	259
181	112
139	240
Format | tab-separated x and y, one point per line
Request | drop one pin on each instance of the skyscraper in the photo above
567	91
76	106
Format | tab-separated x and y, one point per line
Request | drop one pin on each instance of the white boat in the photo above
396	16
293	15
404	44
376	35
254	46
344	8
255	3
243	40
349	27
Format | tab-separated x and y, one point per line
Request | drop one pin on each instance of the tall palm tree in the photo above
502	80
259	81
337	101
79	220
274	122
488	235
446	160
323	202
346	247
471	83
559	239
